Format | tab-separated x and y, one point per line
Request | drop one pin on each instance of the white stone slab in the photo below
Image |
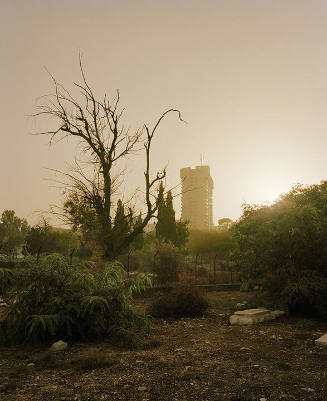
277	313
252	312
322	340
250	316
240	320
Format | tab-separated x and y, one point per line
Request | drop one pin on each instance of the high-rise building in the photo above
197	186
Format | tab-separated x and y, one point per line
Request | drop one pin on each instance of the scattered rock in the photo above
30	364
322	340
274	337
308	389
58	346
141	388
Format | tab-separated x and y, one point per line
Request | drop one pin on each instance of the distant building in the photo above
197	186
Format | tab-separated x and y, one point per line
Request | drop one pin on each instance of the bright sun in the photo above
268	190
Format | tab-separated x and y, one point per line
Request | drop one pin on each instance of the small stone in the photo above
141	388
308	389
263	399
58	346
30	364
322	340
245	349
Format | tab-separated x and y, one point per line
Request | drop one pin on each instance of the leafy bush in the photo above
54	300
283	249
184	300
167	264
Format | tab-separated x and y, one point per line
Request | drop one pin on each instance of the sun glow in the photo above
267	190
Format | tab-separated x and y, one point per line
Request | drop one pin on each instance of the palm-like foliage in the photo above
53	300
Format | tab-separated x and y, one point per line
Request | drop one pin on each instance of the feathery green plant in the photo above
54	300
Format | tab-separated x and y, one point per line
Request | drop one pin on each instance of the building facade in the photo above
197	187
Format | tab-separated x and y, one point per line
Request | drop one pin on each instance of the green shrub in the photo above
283	249
167	263
53	300
182	301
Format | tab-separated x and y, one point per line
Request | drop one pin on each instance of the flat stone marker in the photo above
252	312
250	316
322	340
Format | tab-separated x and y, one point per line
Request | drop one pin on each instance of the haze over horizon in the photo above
249	77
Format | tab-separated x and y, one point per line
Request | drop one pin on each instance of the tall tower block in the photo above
197	186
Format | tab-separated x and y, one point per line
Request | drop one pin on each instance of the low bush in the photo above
168	263
52	300
182	301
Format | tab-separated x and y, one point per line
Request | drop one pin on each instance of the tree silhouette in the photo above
97	125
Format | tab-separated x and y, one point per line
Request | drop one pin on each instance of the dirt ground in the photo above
190	359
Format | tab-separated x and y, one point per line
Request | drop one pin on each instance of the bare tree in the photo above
89	205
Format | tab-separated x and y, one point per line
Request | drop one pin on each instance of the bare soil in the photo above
187	359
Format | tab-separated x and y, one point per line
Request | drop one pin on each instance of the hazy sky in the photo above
248	75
